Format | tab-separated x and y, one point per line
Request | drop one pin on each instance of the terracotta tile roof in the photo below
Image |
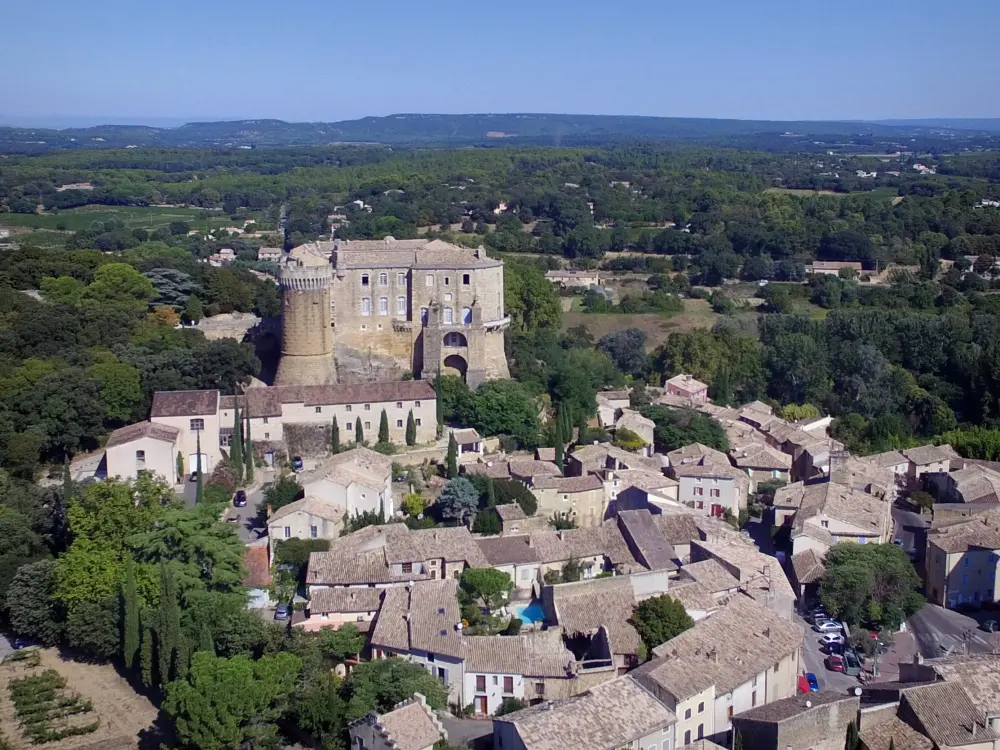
452	544
362	465
693	595
757	571
314	506
596	457
510	512
894	733
258	565
356	393
531	469
726	649
808	566
686	382
491	469
711	575
566	485
466	436
647	481
979	674
947	715
142	430
976	484
606	717
420	617
262	402
982	532
411	725
855	507
509	550
696	453
540	653
710	469
585	606
346	600
929	454
885	460
788	708
184	403
545	454
358	558
761	456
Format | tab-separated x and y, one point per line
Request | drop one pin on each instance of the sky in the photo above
325	60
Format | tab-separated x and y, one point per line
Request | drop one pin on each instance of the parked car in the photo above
898	542
990	626
297	464
281	612
813	682
240	499
827	626
829	638
193	477
835	663
835	648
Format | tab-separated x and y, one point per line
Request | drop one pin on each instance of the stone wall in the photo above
311	440
823	727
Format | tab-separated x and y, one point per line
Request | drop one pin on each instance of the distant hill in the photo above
494	129
989	124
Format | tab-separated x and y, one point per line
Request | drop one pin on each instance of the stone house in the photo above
962	562
564	277
761	576
356	481
711	488
193	414
579	499
610	404
974	484
815	720
928	459
411	725
686	387
762	463
641	426
823	514
145	447
308	518
333	607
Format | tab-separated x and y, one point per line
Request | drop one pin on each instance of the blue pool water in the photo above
529	614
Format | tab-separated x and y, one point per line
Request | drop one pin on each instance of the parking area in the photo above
814	660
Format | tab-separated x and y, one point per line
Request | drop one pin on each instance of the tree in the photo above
486	586
199	493
853	740
411	429
120	387
451	461
341	644
627	349
871	584
231	702
383	428
383	683
130	639
168	627
923	499
236	457
559	440
248	454
529	298
359	432
93	627
512	491
658	619
487	522
119	284
193	311
506	407
676	428
31	606
282	492
510	705
335	437
180	466
458	500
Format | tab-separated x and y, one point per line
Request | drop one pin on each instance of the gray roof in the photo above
411	725
894	733
787	708
678	528
979	674
540	653
314	506
420	617
510	512
646	541
354	599
184	403
947	715
356	393
586	606
808	566
711	575
606	717
141	430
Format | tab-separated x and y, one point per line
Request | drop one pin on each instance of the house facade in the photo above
686	387
582	499
308	518
962	562
144	447
358	481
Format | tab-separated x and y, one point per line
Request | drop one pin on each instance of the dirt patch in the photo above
697	314
123	714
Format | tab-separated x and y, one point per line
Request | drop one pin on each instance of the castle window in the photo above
465	279
447	280
449	316
401	305
383	279
399	404
401	279
364	279
447	297
383	305
399	423
348	408
466	315
366	306
423	315
429	279
265	420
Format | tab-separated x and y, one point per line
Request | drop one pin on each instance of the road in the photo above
910	527
249	528
813	659
933	627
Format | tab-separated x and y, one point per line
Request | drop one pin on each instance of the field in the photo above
797	191
146	217
121	714
697	314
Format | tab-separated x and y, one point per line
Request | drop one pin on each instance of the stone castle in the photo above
365	310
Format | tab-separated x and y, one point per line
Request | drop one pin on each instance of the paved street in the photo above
934	627
249	529
813	659
909	526
473	733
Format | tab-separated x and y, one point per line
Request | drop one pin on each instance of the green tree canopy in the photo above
658	619
870	584
383	683
458	500
487	587
676	428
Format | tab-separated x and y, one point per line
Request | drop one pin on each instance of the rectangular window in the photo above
729	713
714	492
687	737
399	423
416	404
314	531
417	421
480	683
401	279
401	305
508	684
687	714
753	698
407	567
349	426
701	731
701	505
265	420
701	707
383	279
368	407
825	524
348	408
447	281
399	404
319	409
449	316
862	540
465	279
429	280
197	425
267	435
368	425
288	532
364	279
699	491
539	688
495	679
443	675
383	305
366	306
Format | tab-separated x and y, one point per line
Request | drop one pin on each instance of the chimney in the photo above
767	632
974	725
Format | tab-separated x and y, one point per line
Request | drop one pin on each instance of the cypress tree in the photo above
205	641
335	437
451	462
383	428
581	435
146	656
169	627
248	454
411	429
737	740
199	492
491	494
236	447
853	740
131	635
438	403
180	466
359	433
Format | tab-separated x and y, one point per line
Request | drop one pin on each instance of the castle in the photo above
366	310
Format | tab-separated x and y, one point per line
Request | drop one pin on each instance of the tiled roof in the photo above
787	708
466	436
585	606
979	674
758	572
358	558
510	512
711	575
411	726
347	600
885	460
262	402
947	715
452	544
645	540
545	454
491	469
595	457
726	649
531	469
633	420
356	393
840	502
808	566
358	465
314	506
586	483
709	469
393	253
551	546
613	395
687	383
647	481
258	565
677	528
420	617
761	456
976	484
928	454
606	717
509	550
983	532
184	403
894	734
540	653
142	430
696	453
692	595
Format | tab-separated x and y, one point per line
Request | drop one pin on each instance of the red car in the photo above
835	663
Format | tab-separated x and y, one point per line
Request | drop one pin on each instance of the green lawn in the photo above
147	217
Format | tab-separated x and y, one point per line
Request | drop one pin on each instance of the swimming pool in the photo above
530	614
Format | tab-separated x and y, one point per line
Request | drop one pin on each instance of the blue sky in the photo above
335	59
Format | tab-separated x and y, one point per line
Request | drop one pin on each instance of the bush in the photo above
413	504
216	494
628	440
386	449
513	627
223	476
510	705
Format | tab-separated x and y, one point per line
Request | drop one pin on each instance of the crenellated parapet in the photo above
303	278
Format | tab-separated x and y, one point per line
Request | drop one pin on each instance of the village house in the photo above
962	562
611	716
762	463
308	518
143	448
610	404
833	267
687	388
269	254
600	457
742	656
761	576
638	488
579	499
808	568
817	721
928	459
565	277
711	487
469	444
634	422
357	481
979	674
972	485
824	514
333	607
411	725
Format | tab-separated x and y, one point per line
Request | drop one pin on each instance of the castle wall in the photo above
306	329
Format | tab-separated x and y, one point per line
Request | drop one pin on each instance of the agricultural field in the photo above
47	701
135	217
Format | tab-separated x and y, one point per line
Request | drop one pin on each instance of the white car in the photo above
828	626
830	638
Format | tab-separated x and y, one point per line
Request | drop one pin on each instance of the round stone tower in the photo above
306	325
